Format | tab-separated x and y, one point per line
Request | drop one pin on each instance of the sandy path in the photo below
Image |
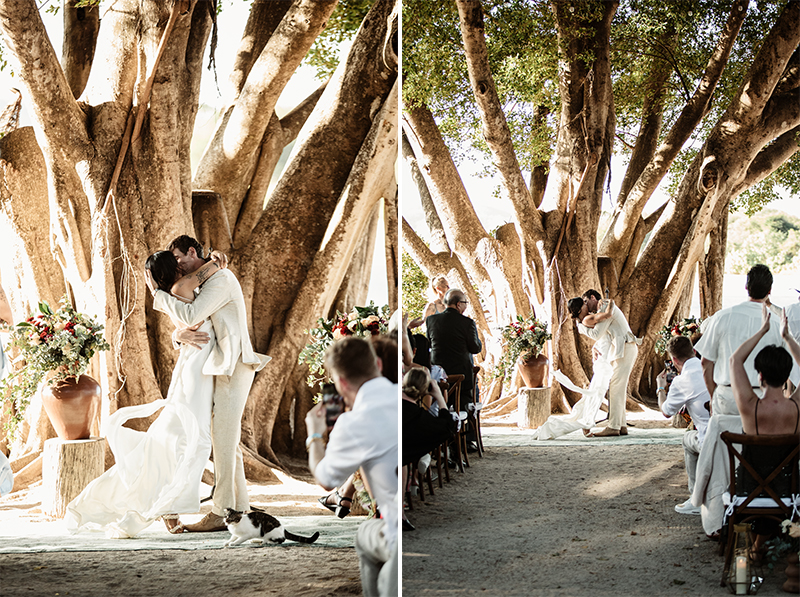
285	570
574	520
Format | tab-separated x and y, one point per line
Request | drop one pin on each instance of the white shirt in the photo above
689	388
727	329
367	437
793	316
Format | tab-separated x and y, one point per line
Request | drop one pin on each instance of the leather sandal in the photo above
342	510
175	529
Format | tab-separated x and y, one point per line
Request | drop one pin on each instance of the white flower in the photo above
351	325
371	319
59	326
34	339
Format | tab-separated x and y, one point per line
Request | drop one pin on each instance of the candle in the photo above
741	575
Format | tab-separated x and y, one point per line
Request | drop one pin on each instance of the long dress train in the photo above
585	410
157	471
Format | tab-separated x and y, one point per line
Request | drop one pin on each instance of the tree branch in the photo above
616	242
435	227
768	66
231	158
498	136
80	36
769	159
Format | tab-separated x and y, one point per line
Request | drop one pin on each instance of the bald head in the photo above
453	297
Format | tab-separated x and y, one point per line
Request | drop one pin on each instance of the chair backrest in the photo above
454	390
780	467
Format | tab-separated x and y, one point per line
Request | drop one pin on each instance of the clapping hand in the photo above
765	315
784	325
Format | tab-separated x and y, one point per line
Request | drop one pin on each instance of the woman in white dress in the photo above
157	472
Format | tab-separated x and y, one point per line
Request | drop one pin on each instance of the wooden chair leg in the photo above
728	555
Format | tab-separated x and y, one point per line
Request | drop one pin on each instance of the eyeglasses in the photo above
464	302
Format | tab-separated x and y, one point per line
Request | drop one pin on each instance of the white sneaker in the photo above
687	508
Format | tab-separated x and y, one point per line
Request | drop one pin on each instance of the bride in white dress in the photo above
157	472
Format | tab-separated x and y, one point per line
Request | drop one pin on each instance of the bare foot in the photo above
607	432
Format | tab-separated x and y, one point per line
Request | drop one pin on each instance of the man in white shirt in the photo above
727	330
688	389
793	317
365	437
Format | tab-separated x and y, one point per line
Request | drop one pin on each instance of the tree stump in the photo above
533	407
67	467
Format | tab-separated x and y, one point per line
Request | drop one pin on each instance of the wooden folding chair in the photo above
454	396
763	501
474	412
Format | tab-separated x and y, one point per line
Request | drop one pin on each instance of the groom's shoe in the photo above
208	524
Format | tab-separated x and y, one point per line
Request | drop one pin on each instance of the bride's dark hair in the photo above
164	268
574	306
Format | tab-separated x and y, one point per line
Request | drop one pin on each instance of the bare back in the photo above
774	414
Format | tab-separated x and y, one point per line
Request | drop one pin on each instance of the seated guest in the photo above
779	414
422	429
687	389
773	414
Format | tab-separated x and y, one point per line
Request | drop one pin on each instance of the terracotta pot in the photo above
534	371
792	584
72	405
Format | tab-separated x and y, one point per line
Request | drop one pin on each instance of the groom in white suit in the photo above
232	362
614	338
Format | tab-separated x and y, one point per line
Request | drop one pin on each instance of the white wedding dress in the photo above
158	471
584	411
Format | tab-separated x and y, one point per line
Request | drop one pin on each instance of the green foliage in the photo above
769	237
62	341
647	37
361	321
324	55
414	287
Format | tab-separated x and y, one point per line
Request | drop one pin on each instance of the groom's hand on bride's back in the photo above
190	336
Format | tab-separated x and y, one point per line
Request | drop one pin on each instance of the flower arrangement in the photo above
781	545
524	338
61	341
688	326
361	321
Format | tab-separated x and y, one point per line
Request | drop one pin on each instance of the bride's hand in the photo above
220	259
151	284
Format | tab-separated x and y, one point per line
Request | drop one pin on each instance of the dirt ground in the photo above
569	520
286	570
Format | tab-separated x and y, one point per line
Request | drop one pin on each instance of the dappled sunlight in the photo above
621	483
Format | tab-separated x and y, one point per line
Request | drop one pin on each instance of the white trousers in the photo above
377	563
230	397
618	386
691	452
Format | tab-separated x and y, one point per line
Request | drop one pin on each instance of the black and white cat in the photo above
259	525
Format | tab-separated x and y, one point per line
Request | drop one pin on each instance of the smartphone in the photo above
334	404
672	372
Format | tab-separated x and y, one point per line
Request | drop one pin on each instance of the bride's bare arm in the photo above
184	287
